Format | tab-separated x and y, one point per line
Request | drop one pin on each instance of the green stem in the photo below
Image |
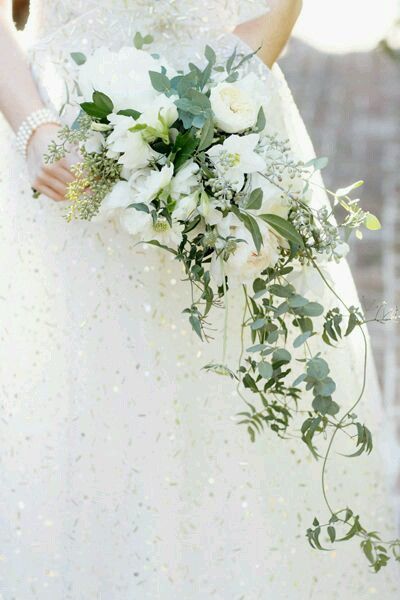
355	404
226	314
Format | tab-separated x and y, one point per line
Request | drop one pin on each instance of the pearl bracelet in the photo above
28	127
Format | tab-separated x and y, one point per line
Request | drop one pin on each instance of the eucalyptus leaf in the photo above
302	338
160	82
78	57
265	369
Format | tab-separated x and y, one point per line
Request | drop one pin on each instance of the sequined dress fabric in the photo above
124	475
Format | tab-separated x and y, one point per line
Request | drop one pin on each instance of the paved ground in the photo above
350	104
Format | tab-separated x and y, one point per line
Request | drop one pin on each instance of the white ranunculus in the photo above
245	264
135	152
236	105
122	75
236	157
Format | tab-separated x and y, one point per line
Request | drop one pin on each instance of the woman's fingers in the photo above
55	178
57	185
48	191
60	172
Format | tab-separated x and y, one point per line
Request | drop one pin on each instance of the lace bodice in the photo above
48	16
180	29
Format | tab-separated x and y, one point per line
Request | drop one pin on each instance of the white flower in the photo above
274	201
236	105
148	183
136	222
159	116
236	157
117	200
208	209
143	187
135	152
229	225
123	76
186	207
185	181
245	264
140	224
95	142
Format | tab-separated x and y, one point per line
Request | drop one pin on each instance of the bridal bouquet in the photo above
196	163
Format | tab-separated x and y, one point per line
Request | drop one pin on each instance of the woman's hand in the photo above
50	180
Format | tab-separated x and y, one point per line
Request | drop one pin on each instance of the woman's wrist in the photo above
28	127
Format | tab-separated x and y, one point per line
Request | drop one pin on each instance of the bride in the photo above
124	474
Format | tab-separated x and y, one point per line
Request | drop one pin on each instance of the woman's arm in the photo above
271	31
19	97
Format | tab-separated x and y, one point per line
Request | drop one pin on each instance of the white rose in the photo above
246	264
236	105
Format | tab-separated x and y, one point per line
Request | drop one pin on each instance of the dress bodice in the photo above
180	30
48	16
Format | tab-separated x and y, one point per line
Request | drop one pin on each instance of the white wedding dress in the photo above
124	475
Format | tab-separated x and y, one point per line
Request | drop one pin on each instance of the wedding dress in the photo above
124	475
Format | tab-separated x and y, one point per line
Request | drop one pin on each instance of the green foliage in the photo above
100	107
78	57
284	228
139	41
